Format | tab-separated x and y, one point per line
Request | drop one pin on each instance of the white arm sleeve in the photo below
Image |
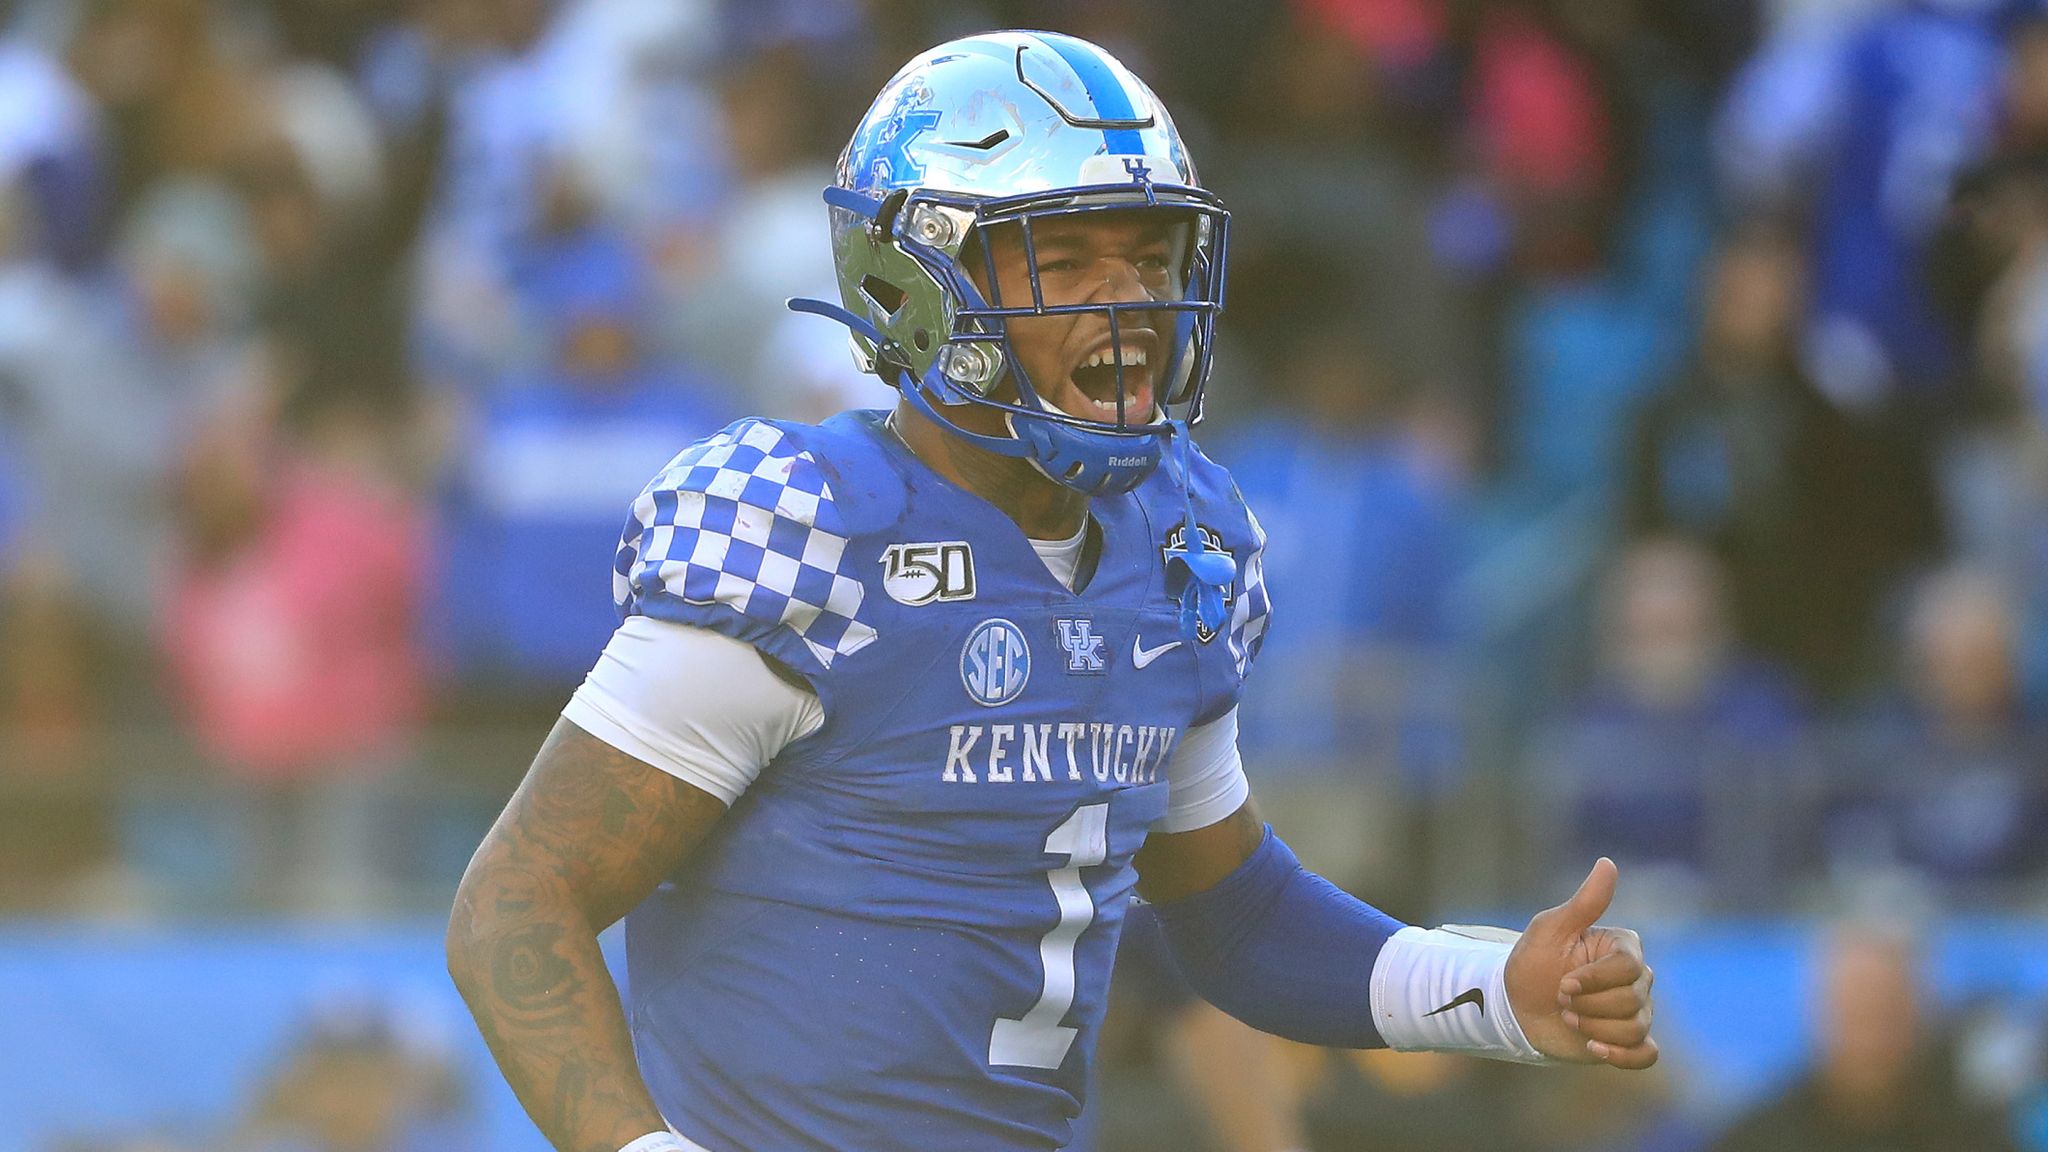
694	703
1205	778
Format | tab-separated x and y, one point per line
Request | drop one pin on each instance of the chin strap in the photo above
1092	462
1209	574
860	324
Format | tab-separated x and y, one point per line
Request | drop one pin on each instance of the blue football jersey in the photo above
901	936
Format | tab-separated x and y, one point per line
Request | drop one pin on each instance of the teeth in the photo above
1131	357
1132	415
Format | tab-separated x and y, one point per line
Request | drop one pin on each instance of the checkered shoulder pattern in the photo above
1254	607
740	533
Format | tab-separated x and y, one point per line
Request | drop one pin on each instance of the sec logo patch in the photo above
995	664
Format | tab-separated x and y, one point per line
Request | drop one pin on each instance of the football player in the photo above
906	707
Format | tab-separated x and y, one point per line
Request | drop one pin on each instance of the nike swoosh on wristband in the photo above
1468	996
1141	655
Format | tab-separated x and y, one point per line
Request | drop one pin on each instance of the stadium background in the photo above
1647	401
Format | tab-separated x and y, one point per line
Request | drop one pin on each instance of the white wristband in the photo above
662	1142
1445	989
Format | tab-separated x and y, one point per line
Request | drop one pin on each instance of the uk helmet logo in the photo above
995	663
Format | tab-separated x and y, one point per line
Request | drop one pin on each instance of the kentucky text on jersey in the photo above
1125	753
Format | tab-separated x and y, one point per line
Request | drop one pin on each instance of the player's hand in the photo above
1582	993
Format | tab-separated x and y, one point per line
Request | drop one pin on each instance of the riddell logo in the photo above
1126	461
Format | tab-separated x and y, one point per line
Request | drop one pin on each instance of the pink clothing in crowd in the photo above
298	653
1538	109
1397	34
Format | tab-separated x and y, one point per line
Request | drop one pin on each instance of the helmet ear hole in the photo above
923	340
884	296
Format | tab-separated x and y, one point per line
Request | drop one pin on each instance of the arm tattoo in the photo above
588	834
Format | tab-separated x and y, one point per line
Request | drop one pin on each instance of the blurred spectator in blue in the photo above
107	383
1813	511
1595	144
640	117
500	146
1360	490
1948	781
1881	1079
354	1080
1662	762
768	244
1995	275
14	500
599	93
553	460
101	385
1581	351
50	153
1878	117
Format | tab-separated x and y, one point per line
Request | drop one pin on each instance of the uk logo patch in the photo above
995	663
1083	647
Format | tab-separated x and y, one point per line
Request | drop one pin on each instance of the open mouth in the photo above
1095	381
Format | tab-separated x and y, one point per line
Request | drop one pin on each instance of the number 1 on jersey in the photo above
1039	1040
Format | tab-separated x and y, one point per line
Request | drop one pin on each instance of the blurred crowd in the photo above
1646	401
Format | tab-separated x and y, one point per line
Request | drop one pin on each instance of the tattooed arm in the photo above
589	833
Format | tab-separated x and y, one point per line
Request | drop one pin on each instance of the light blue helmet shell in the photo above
1005	113
1001	127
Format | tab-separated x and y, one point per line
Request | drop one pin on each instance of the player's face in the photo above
1103	258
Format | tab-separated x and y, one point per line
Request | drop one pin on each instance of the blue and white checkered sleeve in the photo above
740	534
1253	609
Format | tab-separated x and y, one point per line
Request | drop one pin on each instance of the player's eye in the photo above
1064	264
1154	261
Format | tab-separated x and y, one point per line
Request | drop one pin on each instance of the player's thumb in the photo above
1585	907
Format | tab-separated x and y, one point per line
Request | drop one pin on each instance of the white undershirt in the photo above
1063	557
707	709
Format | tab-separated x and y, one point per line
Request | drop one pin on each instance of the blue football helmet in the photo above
1021	128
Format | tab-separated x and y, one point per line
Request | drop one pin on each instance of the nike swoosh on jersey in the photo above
1468	996
1141	655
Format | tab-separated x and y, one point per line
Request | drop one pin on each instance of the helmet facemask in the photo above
953	240
1140	351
